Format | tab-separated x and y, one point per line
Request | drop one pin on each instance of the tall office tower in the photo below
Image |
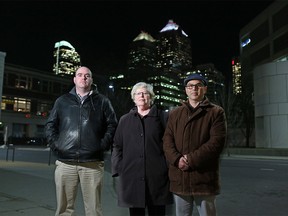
173	59
141	58
140	66
174	49
142	61
159	62
67	60
236	76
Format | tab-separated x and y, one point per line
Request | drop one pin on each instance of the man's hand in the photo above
183	163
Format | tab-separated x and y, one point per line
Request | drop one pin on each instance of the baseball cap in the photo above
195	76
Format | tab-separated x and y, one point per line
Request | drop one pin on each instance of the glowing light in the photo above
144	36
63	43
246	42
172	26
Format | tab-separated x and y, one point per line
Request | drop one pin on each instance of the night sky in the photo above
101	31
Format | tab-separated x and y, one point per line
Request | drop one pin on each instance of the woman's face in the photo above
142	97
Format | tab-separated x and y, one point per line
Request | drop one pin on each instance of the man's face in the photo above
83	78
195	90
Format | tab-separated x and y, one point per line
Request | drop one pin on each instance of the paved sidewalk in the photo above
27	189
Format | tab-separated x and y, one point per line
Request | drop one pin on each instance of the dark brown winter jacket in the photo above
201	134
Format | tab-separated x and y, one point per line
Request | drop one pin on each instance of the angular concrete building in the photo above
264	56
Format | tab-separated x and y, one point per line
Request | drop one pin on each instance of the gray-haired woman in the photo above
138	157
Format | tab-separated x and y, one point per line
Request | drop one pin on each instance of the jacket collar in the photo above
204	103
94	90
152	112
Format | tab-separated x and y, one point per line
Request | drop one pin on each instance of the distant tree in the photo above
246	105
229	101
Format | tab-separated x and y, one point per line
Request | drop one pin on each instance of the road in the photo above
253	187
250	186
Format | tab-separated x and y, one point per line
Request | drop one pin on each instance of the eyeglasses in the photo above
198	85
141	93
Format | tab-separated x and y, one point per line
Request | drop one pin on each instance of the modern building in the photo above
169	90
164	62
174	59
2	63
160	61
142	53
264	39
141	61
26	99
271	104
67	60
236	76
173	49
264	55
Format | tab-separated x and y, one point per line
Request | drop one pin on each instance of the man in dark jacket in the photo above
193	141
79	129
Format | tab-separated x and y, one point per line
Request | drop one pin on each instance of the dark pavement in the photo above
27	188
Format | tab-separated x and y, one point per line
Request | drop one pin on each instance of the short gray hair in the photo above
147	86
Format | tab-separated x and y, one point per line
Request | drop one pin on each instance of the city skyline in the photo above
102	31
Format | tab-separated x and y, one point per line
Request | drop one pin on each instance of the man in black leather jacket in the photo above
80	127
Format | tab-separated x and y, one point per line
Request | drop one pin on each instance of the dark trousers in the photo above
152	211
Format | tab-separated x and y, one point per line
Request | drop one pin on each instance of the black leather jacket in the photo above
81	132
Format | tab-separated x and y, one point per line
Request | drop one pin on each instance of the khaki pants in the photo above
68	175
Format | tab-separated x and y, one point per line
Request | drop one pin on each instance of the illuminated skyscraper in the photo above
67	60
173	49
236	76
160	62
142	57
140	62
142	52
173	59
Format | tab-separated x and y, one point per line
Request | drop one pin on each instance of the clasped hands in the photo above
183	163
